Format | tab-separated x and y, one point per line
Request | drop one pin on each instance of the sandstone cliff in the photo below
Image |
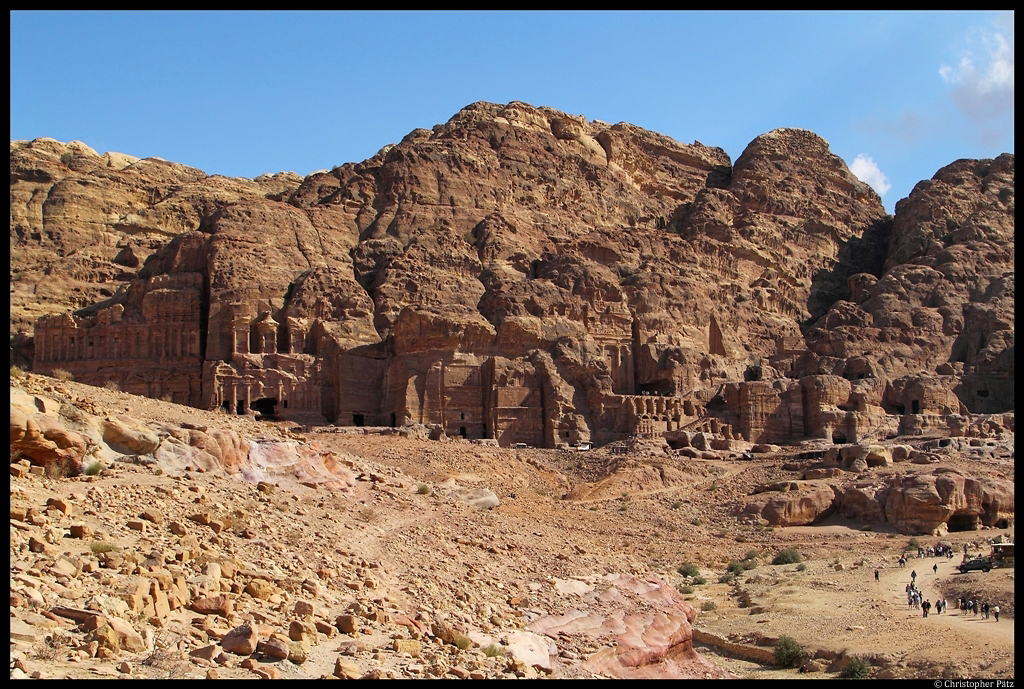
526	275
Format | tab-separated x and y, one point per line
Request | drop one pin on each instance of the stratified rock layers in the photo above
530	276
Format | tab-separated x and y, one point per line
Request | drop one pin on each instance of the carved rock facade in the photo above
525	275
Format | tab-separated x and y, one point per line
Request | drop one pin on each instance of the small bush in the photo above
112	385
60	467
708	606
751	555
98	547
866	527
788	652
689	569
913	543
727	578
93	468
622	508
167	398
801	567
789	556
735	567
677	504
462	642
749	564
695	522
61	374
857	668
493	650
686	590
698	580
17	372
423	489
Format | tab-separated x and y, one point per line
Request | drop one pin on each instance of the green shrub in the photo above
749	564
857	668
112	385
727	578
708	606
789	556
913	544
685	590
423	489
462	642
698	580
788	652
689	569
751	555
93	468
17	372
801	567
677	504
493	650
61	374
695	522
735	567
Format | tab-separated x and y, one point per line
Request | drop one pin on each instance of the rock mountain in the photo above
528	276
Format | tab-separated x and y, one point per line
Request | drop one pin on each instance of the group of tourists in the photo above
983	608
917	601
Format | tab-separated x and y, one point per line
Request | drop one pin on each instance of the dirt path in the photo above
953	622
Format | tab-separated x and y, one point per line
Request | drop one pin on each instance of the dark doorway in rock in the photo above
240	407
357	420
838	439
963	521
227	406
462	431
394	419
915	407
264	408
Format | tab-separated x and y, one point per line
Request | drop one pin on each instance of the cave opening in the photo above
264	408
963	521
357	420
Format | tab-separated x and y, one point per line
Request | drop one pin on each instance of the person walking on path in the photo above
876	575
995	611
935	568
913	575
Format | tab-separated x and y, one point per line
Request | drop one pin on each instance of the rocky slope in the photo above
201	544
521	274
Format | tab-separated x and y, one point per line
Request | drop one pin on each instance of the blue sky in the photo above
896	94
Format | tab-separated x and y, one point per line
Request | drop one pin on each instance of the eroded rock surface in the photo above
529	276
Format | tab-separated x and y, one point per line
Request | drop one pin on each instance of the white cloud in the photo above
982	81
866	170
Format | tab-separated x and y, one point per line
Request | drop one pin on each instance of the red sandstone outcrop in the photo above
521	274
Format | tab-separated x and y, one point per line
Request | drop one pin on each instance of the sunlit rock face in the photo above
530	276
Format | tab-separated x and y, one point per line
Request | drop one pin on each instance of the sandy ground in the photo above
627	523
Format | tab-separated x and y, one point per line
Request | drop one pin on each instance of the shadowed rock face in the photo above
526	275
